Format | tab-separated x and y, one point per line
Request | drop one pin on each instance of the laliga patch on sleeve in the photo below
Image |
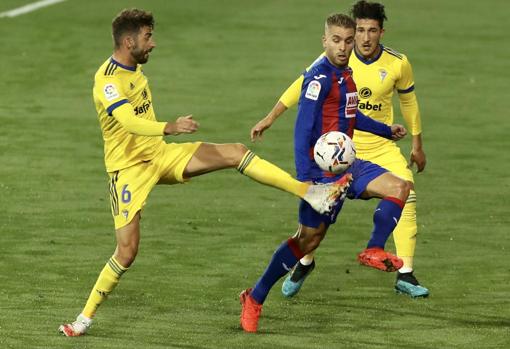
110	92
313	90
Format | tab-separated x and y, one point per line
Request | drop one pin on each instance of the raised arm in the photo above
289	98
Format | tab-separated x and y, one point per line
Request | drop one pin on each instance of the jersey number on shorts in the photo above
126	194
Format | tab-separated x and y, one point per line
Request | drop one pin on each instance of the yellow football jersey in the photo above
115	85
376	82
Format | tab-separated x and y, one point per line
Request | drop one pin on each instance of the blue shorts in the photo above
363	172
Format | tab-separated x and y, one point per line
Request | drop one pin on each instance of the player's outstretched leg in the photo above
212	157
322	197
294	280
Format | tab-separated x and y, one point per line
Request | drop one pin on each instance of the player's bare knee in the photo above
126	255
315	241
401	189
239	151
310	239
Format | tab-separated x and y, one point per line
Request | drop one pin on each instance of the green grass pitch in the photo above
226	62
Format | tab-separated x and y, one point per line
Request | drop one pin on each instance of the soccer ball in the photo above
334	152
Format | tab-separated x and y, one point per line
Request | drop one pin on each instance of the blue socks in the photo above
386	217
284	259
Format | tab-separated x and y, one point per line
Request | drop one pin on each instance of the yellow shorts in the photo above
389	157
130	187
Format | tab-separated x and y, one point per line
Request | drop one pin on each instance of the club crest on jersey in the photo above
110	92
382	74
313	90
351	104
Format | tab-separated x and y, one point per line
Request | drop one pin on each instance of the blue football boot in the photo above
408	284
295	279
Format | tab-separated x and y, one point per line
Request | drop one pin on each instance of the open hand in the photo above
259	128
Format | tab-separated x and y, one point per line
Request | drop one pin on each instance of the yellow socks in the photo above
266	173
405	232
106	282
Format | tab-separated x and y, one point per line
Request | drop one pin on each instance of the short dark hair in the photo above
369	10
130	21
340	20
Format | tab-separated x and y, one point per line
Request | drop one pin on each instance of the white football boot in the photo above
323	197
76	328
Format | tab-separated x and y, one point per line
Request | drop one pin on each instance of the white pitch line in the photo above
29	8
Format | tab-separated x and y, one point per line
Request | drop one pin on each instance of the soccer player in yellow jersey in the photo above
378	71
137	158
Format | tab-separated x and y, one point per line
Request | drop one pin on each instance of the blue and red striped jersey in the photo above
328	102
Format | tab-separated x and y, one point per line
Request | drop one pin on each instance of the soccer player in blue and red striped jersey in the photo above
379	72
328	102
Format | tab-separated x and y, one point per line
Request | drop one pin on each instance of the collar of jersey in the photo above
127	67
369	61
326	60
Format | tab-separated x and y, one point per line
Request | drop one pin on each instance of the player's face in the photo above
144	43
368	37
338	43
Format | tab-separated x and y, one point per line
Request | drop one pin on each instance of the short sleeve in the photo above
405	83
